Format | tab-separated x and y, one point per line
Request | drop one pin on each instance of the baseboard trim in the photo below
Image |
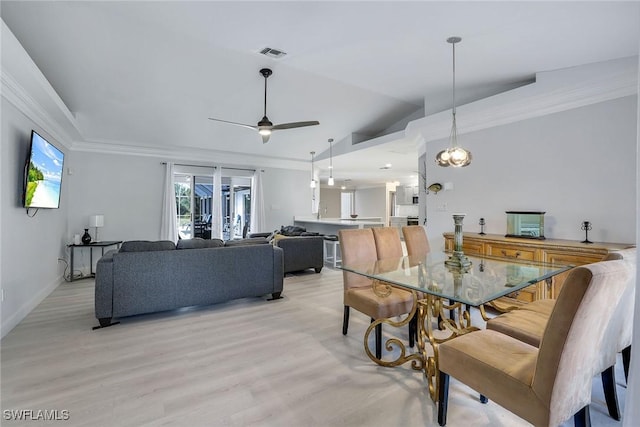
14	319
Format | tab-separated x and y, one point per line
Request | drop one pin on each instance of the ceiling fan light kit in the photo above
265	126
454	156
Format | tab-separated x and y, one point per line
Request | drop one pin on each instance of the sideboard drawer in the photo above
468	247
472	248
511	252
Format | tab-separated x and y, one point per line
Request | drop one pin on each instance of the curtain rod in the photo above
215	167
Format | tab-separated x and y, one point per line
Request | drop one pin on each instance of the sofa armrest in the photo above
278	269
302	252
104	286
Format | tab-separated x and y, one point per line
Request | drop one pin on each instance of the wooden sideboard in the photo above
567	252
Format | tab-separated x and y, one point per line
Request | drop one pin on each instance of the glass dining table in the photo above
443	295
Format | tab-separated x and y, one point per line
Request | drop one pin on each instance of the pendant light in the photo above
330	182
454	156
313	181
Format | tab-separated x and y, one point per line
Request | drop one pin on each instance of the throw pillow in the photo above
278	237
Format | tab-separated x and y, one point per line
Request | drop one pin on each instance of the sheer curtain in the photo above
257	224
216	205
168	226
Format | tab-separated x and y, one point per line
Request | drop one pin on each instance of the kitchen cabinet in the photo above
566	252
405	194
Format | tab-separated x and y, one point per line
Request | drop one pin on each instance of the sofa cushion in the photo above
146	245
199	243
248	241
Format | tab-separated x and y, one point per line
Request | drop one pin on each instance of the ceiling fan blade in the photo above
295	125
234	123
265	138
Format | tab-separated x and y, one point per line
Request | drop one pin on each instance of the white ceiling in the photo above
149	74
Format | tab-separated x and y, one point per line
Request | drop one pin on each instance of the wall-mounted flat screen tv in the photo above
43	174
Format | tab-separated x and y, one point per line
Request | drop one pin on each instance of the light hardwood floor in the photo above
250	362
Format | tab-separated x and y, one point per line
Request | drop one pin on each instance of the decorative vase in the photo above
86	237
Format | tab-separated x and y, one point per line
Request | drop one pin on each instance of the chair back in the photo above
388	244
620	330
356	246
573	337
415	237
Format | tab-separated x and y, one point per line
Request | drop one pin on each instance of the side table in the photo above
91	245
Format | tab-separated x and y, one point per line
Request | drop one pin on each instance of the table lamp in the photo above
96	221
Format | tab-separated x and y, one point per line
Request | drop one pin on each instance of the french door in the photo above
194	205
236	206
194	196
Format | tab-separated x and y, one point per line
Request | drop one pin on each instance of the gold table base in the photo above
427	309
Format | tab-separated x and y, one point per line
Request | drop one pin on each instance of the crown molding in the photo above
25	87
16	95
189	154
552	92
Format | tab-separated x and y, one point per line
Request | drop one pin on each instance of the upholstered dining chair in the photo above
527	324
417	242
549	384
389	246
415	237
359	246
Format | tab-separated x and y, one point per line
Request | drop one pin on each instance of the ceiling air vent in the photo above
272	53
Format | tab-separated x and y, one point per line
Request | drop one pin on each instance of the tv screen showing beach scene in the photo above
43	175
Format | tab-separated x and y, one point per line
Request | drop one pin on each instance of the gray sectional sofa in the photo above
148	277
302	250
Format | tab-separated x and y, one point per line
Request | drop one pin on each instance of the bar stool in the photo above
331	250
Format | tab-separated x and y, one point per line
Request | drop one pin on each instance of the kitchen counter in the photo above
333	225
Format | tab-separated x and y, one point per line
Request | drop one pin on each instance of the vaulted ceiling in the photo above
147	75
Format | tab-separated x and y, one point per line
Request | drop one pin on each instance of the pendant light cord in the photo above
453	101
330	158
453	137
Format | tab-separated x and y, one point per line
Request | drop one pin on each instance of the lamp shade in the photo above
96	221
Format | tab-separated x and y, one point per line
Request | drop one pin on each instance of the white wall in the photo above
286	194
632	412
30	246
371	202
330	202
576	165
128	191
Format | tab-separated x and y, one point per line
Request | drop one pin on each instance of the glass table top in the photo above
483	281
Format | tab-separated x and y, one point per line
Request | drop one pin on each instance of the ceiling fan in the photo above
264	126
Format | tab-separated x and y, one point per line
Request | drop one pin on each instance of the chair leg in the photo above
626	358
610	394
378	340
443	398
345	320
413	330
582	418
